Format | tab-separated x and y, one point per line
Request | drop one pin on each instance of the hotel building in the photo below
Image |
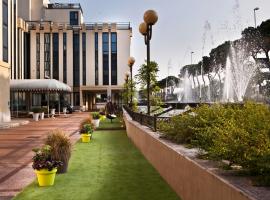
5	58
52	41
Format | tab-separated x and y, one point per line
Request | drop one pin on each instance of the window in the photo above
74	18
76	99
96	58
105	49
56	56
114	58
65	57
38	55
26	55
84	57
76	59
5	30
47	56
14	42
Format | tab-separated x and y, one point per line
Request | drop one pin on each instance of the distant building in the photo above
5	57
52	41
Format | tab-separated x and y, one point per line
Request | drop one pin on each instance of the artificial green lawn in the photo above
109	167
106	124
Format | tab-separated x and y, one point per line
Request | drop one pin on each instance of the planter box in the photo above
191	178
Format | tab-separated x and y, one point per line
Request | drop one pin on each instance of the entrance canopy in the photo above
38	85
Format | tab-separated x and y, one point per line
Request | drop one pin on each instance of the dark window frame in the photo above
113	58
96	58
84	57
55	56
74	18
47	55
76	59
105	56
38	55
5	27
65	57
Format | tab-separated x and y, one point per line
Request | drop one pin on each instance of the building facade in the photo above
5	58
52	41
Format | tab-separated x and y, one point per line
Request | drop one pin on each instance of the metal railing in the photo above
146	120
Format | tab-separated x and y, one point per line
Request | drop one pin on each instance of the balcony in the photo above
64	6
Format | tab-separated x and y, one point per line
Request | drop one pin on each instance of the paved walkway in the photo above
16	146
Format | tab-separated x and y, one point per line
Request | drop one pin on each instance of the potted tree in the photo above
86	132
45	166
36	112
61	148
96	119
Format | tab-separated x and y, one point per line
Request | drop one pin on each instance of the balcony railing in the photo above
64	6
146	120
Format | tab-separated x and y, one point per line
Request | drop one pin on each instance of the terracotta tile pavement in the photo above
16	146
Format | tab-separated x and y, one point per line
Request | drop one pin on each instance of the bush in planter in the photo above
178	129
86	132
233	132
86	121
96	118
43	159
87	129
45	166
95	115
36	110
245	140
61	148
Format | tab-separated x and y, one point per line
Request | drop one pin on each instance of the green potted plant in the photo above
36	112
61	148
45	166
86	132
42	112
96	119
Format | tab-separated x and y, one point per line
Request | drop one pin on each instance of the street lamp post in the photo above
191	53
131	62
145	28
126	79
255	18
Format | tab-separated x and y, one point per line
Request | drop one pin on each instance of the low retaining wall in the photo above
189	180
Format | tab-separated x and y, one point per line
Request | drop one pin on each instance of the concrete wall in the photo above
189	180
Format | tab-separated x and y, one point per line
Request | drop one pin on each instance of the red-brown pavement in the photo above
16	146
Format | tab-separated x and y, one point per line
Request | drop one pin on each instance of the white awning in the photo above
38	85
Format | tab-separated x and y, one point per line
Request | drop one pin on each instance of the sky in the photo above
184	26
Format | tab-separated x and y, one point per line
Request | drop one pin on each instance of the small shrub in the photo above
43	159
61	148
95	115
36	110
89	128
178	129
86	121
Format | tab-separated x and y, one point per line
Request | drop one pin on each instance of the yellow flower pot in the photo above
46	177
86	137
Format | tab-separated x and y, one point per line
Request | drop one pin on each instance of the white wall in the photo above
5	72
90	58
33	54
60	15
123	54
70	58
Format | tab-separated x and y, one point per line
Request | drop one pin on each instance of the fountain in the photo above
228	85
240	68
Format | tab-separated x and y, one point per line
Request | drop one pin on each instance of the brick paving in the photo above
16	146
